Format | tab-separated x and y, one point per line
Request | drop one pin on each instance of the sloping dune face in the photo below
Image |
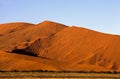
13	62
79	47
12	27
54	46
21	38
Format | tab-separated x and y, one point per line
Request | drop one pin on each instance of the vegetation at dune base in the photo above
107	72
58	74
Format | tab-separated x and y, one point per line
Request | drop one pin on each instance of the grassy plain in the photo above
57	75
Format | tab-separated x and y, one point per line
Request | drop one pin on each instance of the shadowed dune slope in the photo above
53	46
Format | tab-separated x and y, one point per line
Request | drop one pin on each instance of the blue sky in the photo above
100	15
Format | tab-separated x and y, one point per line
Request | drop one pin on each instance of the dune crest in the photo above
54	46
12	27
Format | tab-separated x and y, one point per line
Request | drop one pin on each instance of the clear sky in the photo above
100	15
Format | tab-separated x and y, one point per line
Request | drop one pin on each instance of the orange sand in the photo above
54	46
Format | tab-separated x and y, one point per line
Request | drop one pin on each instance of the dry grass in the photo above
52	75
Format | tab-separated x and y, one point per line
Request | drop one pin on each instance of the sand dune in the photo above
13	27
20	38
54	46
12	62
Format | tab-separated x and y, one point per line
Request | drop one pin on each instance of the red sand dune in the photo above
54	46
12	62
12	27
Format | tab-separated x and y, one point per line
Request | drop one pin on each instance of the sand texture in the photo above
54	46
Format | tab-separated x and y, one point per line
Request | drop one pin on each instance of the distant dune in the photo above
53	46
12	27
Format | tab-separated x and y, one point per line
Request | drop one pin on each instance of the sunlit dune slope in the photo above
67	48
18	62
13	27
21	37
80	46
